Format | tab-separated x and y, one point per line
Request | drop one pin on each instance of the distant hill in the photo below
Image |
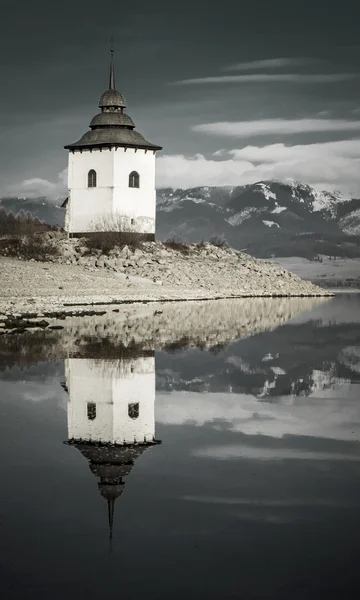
267	218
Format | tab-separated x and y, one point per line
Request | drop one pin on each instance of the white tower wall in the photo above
87	205
112	196
111	386
135	203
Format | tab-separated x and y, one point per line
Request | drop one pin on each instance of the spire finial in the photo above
112	72
111	509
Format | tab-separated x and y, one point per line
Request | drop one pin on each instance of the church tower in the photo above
111	173
111	417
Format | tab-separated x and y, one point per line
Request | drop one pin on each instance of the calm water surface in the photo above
253	491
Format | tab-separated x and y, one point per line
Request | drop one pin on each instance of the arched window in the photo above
133	410
91	411
134	179
92	178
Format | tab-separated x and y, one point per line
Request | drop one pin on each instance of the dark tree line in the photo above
21	224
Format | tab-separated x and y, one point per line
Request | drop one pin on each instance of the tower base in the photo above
144	237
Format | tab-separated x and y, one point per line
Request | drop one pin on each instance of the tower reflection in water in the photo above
111	417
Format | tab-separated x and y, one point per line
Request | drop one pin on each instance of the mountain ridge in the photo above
267	218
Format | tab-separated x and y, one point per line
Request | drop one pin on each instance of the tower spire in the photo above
112	71
111	509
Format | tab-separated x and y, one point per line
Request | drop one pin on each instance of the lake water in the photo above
253	491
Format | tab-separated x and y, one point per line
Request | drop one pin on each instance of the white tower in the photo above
111	401
111	417
111	172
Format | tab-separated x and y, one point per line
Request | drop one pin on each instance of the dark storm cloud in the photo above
54	58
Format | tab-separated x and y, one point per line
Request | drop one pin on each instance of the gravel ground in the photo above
38	286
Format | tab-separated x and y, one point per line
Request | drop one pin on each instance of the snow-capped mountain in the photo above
267	218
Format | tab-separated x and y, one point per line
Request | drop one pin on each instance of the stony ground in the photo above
152	273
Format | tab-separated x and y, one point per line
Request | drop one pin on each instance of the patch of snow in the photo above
241	216
267	192
268	385
320	200
351	223
206	191
278	209
293	182
323	201
168	206
297	188
270	356
271	224
278	370
198	200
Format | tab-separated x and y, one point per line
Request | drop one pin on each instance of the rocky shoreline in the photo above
131	330
77	279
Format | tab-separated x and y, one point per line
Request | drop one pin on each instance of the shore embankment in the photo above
77	280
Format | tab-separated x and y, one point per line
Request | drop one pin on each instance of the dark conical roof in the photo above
110	463
112	127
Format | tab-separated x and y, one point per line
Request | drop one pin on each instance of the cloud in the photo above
180	171
326	417
328	165
276	126
280	152
47	390
37	187
271	78
270	63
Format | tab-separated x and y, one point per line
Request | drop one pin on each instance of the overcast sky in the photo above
235	91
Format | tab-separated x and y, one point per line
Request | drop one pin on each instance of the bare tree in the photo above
113	231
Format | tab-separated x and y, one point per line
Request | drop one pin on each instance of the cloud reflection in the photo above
321	417
229	452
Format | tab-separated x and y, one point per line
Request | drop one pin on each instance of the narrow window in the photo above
91	411
92	178
132	221
133	410
134	179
